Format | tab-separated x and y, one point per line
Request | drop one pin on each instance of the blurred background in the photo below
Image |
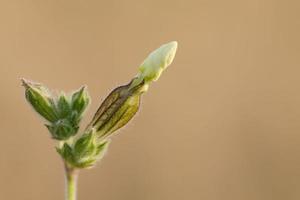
222	123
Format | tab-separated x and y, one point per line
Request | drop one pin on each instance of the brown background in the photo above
223	122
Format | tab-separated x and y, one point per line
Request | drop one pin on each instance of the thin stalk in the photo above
71	183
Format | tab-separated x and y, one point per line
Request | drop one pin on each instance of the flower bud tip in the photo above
157	62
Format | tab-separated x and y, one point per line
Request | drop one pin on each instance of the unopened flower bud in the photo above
116	110
123	102
157	61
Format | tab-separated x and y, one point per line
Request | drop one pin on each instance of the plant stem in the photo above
71	183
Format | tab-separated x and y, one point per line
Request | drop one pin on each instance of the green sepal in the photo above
40	99
62	129
86	164
74	118
90	155
85	147
66	153
80	100
102	148
63	107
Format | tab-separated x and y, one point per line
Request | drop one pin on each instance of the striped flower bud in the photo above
116	110
123	102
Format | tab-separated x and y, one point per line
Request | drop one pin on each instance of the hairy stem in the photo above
71	183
